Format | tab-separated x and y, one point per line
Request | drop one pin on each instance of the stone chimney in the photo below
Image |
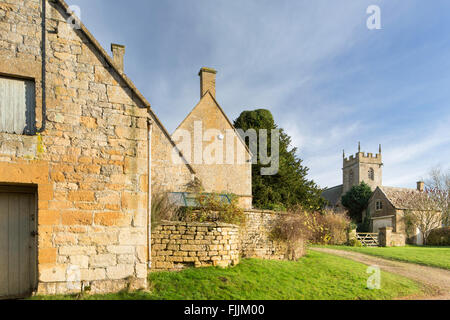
207	81
118	52
421	186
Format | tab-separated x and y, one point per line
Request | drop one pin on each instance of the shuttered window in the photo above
17	105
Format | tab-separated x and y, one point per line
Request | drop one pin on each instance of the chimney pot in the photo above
420	186
118	52
207	81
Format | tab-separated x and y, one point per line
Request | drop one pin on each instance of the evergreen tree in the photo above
356	200
290	186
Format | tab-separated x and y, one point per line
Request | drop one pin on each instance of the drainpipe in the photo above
44	57
149	197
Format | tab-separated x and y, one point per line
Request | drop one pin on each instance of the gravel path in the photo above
435	280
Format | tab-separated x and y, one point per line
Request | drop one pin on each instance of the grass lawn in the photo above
317	276
428	256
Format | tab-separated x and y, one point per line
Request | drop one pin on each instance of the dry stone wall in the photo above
177	245
256	241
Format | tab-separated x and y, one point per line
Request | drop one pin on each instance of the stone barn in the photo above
76	141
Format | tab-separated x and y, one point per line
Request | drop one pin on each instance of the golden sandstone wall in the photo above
178	245
255	239
90	166
227	168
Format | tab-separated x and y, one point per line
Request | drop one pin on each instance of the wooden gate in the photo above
18	238
368	239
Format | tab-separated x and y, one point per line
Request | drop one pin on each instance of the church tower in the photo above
362	167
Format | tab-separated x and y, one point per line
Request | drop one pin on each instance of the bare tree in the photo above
422	213
438	187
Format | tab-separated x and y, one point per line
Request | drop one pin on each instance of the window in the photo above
17	105
371	174
379	205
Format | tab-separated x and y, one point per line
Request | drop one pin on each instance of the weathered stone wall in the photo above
167	175
360	164
87	165
90	165
177	245
387	238
222	165
256	241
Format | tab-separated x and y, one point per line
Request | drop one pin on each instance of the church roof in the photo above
333	195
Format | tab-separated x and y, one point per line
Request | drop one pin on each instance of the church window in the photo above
371	174
350	177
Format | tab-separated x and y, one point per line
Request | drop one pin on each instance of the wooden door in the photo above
18	240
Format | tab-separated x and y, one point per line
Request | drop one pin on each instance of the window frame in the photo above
30	112
379	205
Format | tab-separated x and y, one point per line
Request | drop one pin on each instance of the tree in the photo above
438	188
356	200
289	186
422	213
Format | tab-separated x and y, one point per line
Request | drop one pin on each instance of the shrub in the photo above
352	226
335	227
355	243
318	228
292	230
212	208
439	237
163	209
327	227
364	226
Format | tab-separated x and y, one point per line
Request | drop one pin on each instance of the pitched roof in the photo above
333	195
400	198
126	80
223	113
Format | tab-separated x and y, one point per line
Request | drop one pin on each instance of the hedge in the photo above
439	237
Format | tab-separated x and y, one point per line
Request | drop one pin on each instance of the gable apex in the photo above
208	95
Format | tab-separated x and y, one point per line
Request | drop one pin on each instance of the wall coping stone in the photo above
265	211
197	224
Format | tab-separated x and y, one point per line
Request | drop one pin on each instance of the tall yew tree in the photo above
290	186
356	200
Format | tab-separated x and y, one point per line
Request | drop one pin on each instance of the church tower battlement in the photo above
362	167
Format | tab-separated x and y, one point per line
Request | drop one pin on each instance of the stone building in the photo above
74	158
357	168
213	147
387	208
387	205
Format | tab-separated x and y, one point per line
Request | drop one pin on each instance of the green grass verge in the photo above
317	276
429	256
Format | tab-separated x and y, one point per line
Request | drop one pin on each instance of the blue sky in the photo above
329	81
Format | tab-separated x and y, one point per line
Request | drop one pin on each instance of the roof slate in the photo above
400	197
333	195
